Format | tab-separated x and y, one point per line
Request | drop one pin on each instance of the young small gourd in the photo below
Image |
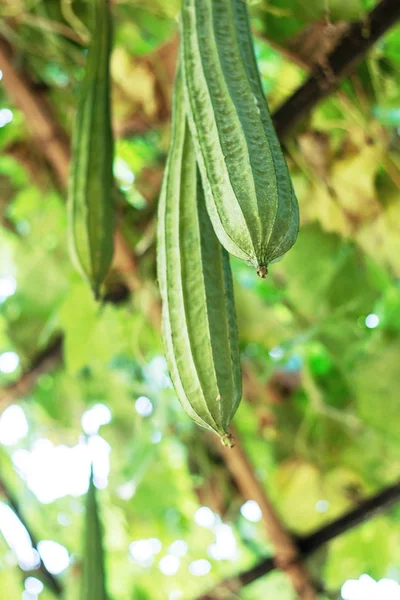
93	585
90	195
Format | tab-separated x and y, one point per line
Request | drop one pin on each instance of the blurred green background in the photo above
319	339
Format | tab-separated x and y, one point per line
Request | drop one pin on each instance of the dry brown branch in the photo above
47	578
44	128
287	557
351	48
366	510
46	361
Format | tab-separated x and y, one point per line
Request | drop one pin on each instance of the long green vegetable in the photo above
249	194
91	205
93	578
199	324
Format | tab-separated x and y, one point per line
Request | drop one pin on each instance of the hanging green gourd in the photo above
91	184
249	193
199	323
93	577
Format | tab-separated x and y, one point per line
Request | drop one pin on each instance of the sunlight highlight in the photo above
127	490
169	565
54	555
94	418
33	585
17	538
175	595
9	362
29	596
8	287
142	552
143	406
251	511
321	506
156	437
225	547
276	353
205	517
366	588
201	567
178	548
372	321
6	116
52	472
123	173
156	373
13	425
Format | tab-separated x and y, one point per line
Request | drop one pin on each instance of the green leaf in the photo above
87	328
377	388
276	585
368	549
391	44
314	258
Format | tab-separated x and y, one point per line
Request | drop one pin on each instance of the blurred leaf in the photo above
312	498
136	81
368	549
10	582
377	388
314	257
87	327
391	44
276	585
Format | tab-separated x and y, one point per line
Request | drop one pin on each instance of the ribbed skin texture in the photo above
249	193
91	204
93	576
199	323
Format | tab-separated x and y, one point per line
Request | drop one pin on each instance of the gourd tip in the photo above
262	271
96	293
227	440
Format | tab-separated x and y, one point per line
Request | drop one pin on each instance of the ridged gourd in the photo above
248	189
91	184
198	313
93	583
